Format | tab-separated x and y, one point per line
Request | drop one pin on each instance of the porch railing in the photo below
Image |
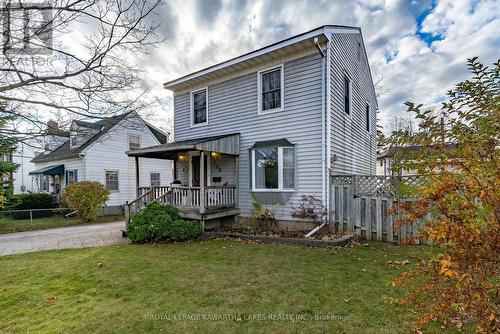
215	197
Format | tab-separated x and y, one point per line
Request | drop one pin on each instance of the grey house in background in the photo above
271	125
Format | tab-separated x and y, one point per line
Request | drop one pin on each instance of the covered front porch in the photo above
48	179
205	177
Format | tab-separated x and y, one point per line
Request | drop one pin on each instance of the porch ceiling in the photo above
225	144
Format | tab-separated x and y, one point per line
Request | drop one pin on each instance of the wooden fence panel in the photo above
360	204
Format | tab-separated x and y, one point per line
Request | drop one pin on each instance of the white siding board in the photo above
109	154
353	147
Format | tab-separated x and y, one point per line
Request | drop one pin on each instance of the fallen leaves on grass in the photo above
50	299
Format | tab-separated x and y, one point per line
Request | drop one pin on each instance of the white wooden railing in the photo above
215	197
185	197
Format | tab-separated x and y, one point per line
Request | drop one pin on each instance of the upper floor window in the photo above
273	168
367	117
112	180
155	179
271	93
199	107
347	95
134	142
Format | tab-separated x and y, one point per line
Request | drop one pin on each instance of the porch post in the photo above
175	170
137	176
202	182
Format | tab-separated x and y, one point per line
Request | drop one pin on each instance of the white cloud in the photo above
418	70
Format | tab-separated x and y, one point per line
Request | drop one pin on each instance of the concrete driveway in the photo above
80	236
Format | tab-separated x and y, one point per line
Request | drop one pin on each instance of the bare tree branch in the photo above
44	71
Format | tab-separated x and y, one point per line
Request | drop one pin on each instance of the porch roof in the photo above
225	144
49	170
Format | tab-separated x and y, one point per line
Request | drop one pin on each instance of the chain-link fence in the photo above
35	216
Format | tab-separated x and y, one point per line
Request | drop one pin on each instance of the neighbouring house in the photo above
271	125
96	151
22	156
386	158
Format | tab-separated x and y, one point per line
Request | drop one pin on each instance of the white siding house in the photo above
22	156
96	151
273	125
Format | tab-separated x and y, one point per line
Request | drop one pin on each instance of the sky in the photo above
420	48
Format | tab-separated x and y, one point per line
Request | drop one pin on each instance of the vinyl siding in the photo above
69	164
22	156
109	154
354	149
233	108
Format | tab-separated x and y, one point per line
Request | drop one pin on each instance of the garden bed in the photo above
320	239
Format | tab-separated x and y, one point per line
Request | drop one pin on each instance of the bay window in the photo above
273	168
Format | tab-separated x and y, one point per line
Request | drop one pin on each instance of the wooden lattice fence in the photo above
359	203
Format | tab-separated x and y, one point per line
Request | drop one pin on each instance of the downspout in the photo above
84	176
328	124
323	128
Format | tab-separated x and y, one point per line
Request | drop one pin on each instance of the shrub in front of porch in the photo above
159	222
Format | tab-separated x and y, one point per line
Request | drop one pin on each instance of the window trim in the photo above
75	173
282	90
346	76
130	135
191	107
117	180
280	171
150	178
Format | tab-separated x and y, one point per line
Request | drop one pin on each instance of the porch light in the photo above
182	157
215	155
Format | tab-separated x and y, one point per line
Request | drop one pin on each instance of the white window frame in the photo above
117	180
280	171
259	90
348	77
151	179
72	171
73	141
130	135
191	108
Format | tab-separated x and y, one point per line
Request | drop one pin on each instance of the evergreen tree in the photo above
7	167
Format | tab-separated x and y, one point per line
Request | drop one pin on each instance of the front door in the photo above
196	171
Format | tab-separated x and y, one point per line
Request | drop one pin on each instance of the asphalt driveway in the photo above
80	236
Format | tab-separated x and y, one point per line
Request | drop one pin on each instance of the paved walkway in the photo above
80	236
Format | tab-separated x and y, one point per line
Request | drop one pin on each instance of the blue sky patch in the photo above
427	37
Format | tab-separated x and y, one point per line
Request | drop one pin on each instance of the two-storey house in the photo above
270	125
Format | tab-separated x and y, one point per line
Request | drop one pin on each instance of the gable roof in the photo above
105	125
290	44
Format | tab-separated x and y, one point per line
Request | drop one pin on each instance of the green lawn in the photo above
8	225
129	288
